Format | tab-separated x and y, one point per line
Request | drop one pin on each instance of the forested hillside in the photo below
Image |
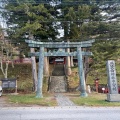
63	20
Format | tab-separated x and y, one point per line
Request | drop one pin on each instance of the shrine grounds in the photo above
26	97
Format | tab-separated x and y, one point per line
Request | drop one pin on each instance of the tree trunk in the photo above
68	63
46	65
6	70
72	65
34	71
86	66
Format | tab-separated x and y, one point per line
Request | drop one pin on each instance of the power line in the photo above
61	40
59	2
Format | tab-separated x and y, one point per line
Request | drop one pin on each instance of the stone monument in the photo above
112	95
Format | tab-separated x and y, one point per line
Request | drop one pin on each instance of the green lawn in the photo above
93	99
30	99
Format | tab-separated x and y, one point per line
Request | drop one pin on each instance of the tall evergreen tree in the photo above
80	20
29	17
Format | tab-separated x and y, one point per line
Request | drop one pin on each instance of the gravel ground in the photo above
63	100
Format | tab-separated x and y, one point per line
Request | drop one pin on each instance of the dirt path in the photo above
4	102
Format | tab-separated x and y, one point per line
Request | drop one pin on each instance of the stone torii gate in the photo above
79	53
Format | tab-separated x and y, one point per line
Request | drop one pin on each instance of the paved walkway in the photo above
63	100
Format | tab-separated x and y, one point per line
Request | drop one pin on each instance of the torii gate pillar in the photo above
40	73
81	73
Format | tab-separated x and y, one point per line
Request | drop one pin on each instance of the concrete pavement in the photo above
60	113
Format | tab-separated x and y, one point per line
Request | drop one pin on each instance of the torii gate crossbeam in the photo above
61	54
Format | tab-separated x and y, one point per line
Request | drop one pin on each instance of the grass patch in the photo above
29	99
94	99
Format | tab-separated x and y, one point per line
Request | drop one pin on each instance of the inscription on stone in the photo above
112	80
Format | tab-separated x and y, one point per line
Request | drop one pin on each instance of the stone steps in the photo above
57	80
58	84
58	70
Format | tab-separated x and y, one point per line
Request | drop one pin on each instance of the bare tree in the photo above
6	55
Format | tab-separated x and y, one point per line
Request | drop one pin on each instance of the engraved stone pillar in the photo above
112	95
40	73
81	73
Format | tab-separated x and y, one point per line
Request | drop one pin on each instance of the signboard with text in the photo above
112	80
9	83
